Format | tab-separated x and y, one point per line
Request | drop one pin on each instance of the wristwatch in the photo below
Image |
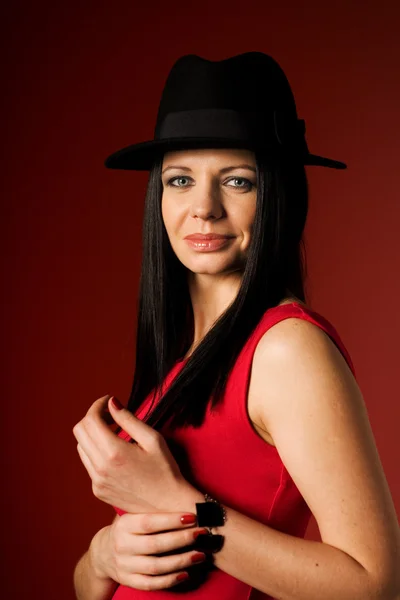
210	514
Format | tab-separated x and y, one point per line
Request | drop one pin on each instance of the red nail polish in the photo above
198	557
116	403
182	576
200	532
188	519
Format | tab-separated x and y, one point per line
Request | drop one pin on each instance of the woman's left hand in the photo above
141	477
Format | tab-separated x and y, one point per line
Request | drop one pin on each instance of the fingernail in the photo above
188	519
116	403
198	557
182	576
200	532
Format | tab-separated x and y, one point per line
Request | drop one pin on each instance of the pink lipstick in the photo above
207	242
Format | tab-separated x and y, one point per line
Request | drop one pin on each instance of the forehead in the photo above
210	157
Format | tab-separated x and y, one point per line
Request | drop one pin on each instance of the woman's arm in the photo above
291	568
317	419
88	582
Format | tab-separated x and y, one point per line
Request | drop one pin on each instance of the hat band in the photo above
256	127
214	123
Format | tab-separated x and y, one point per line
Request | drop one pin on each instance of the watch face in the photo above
209	514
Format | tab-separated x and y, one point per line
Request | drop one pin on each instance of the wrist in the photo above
97	552
187	499
211	515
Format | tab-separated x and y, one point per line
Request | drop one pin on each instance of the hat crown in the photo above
244	101
250	82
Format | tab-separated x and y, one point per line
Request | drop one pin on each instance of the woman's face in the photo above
209	191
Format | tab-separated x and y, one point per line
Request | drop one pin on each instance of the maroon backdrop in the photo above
82	79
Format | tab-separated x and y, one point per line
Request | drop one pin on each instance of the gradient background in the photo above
82	79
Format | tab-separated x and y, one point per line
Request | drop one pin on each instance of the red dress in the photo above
232	463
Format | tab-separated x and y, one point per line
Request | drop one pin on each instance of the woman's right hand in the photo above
126	551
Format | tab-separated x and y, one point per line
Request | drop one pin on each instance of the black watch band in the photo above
209	542
210	514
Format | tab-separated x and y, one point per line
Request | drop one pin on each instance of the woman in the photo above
241	391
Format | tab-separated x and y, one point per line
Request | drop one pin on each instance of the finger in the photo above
151	582
107	418
159	533
92	447
152	565
95	436
168	543
143	434
97	412
99	415
100	406
86	461
157	522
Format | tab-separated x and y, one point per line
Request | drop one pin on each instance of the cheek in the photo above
252	216
171	218
245	218
247	225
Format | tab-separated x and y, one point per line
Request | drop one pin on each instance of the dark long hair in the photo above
275	267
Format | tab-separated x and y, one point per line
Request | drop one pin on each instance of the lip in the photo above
208	245
207	236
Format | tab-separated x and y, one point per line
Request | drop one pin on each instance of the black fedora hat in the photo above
244	101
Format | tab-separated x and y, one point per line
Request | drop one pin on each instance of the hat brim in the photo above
141	156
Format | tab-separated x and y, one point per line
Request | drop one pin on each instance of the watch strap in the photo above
209	514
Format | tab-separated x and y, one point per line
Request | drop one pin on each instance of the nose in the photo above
206	202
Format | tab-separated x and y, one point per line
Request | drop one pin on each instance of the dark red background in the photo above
82	79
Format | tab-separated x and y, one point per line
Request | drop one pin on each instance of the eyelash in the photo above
249	185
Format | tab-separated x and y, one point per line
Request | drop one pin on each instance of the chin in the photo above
211	265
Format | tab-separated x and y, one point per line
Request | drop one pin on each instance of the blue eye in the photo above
248	185
175	178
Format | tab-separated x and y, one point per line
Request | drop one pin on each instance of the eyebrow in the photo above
224	170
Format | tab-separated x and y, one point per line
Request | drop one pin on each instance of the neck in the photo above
210	296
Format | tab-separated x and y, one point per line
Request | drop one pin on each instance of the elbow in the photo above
379	587
392	594
389	589
384	576
394	588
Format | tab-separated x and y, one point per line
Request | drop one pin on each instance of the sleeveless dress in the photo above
229	461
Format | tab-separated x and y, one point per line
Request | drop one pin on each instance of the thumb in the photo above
141	433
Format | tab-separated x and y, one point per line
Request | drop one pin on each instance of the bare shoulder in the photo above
296	334
312	406
289	340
